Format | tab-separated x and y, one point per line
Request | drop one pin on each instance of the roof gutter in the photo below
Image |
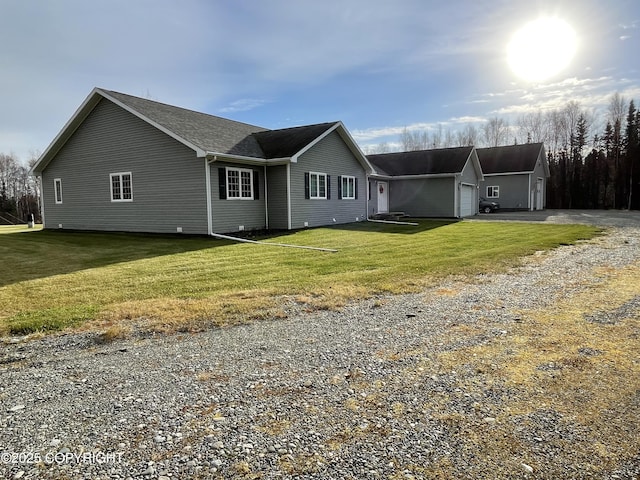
217	156
413	177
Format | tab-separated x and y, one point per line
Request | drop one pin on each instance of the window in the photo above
57	188
493	192
239	183
348	188
316	185
121	187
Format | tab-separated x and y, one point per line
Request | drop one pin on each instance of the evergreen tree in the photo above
631	153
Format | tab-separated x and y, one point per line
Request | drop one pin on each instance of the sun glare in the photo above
541	49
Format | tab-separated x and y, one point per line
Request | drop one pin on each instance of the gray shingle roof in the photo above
286	142
200	131
421	162
207	132
509	159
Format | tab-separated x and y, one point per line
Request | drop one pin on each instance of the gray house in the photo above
123	163
426	183
515	176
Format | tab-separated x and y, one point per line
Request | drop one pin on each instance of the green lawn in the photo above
52	280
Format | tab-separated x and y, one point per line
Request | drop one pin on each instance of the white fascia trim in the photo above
506	173
226	157
355	148
294	158
545	161
473	156
199	152
414	177
71	126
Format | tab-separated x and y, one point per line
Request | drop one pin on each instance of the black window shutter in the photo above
256	185
328	187
306	185
222	182
355	187
339	187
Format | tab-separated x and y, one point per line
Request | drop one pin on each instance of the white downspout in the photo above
288	196
207	176
457	186
266	199
366	195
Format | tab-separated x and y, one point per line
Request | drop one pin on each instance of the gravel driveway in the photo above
324	394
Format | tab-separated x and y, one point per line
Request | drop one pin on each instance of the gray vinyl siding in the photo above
169	189
469	174
539	173
432	197
277	197
332	157
372	195
514	190
230	214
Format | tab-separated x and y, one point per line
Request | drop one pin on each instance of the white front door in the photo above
383	197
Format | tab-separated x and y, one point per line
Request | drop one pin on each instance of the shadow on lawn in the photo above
34	255
42	254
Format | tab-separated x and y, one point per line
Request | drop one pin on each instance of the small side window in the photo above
57	188
493	191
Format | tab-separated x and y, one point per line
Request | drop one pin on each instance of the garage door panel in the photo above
467	202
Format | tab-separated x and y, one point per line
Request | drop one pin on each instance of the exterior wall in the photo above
539	172
469	174
168	181
514	190
277	204
229	215
332	157
425	197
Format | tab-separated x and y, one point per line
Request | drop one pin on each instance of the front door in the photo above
383	197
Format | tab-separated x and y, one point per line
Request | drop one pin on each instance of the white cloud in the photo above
242	105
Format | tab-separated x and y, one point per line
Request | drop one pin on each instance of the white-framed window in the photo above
57	189
493	191
317	185
239	183
347	187
121	187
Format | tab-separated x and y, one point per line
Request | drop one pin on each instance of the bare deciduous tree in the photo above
495	132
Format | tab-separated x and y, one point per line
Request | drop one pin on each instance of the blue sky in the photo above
379	66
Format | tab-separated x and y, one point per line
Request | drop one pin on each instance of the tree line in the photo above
19	192
594	158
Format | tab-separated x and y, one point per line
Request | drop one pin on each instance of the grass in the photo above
52	280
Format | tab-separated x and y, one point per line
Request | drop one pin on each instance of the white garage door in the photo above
467	202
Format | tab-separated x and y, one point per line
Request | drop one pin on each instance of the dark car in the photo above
487	206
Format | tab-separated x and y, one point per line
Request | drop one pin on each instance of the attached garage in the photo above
427	183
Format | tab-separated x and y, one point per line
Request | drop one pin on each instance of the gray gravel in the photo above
318	395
